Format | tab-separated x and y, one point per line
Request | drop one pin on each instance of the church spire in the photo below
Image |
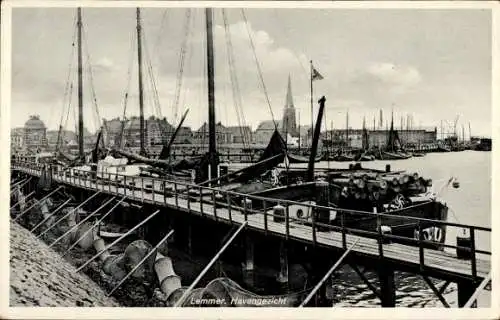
289	97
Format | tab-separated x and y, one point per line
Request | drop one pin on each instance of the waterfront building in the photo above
184	136
239	134
17	138
377	138
35	133
112	130
132	133
159	130
221	134
265	130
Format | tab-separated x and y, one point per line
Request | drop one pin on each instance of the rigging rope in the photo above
67	94
235	85
155	96
119	140
304	69
93	94
258	68
182	54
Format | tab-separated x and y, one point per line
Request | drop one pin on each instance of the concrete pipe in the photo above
44	208
114	266
134	253
88	240
168	279
100	245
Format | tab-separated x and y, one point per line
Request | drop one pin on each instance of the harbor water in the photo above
469	204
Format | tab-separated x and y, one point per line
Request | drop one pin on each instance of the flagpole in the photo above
312	113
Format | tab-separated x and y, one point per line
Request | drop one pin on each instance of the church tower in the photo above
289	123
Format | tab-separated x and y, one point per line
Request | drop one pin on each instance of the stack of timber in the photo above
379	187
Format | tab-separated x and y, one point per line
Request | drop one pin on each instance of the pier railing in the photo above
261	212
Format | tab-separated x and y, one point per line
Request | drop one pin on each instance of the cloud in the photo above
104	64
396	75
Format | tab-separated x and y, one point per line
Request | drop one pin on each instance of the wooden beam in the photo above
67	214
117	240
214	259
25	198
20	184
436	291
79	223
89	230
36	202
365	280
328	274
50	215
473	298
140	263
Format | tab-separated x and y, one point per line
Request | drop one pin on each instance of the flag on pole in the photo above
315	75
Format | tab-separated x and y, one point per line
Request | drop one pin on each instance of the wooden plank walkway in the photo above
437	263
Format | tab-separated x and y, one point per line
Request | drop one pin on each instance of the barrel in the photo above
464	253
386	230
247	205
278	213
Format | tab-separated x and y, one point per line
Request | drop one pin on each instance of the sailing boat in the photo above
393	148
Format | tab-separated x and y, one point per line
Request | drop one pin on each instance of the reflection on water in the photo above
469	204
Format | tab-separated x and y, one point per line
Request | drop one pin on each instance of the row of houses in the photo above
158	131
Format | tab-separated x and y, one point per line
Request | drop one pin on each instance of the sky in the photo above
433	64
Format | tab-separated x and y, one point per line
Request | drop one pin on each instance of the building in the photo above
377	138
17	138
65	138
159	131
112	131
184	136
35	133
132	133
222	135
239	134
265	130
289	123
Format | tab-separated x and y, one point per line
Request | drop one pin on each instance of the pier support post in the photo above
190	239
249	265
249	256
465	290
387	286
283	274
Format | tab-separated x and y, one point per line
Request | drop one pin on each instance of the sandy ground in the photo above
40	277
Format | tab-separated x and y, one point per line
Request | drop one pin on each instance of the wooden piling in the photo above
283	273
387	286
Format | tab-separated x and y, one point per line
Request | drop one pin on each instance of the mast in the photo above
312	107
331	135
299	129
470	133
347	129
80	86
314	146
211	95
142	150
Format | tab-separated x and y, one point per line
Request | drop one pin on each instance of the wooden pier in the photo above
368	247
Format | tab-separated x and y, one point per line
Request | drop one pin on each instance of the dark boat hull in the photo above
393	156
295	158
